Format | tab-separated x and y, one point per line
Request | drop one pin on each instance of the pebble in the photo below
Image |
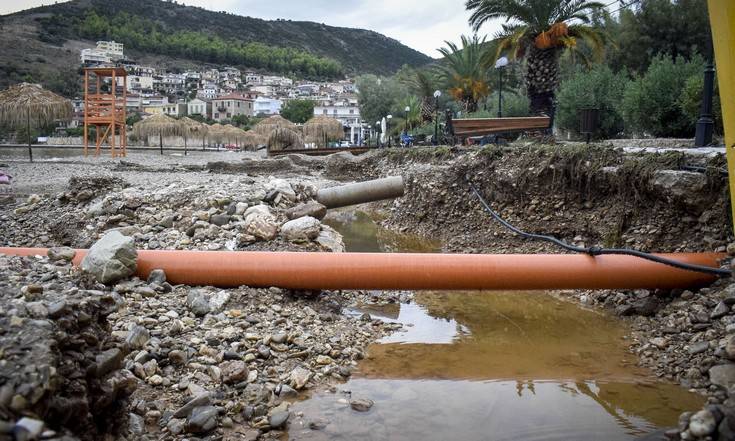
202	420
361	404
702	424
278	419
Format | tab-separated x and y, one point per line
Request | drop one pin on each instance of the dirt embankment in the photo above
593	196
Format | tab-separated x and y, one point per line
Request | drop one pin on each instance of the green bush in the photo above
515	103
691	101
651	103
599	88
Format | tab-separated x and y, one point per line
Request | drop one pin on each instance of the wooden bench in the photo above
468	128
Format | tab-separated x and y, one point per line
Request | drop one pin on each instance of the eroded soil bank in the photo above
253	348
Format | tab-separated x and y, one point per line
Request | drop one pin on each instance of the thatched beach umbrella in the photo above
216	133
272	123
253	139
284	139
322	129
233	134
161	125
192	129
25	103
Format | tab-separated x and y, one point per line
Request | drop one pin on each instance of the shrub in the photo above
651	103
691	101
599	88
515	103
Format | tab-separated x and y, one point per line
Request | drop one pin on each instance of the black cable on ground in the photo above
597	251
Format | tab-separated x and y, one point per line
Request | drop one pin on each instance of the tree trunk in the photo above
542	79
160	140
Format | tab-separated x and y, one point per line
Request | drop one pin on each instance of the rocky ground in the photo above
223	364
178	362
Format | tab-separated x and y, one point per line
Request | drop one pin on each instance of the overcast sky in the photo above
421	24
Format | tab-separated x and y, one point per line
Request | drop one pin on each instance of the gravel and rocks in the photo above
135	359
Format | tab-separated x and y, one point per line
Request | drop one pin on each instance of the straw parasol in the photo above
284	139
322	129
193	129
161	125
25	103
253	139
271	123
233	134
216	133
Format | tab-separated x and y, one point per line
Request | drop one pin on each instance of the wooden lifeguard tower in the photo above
105	97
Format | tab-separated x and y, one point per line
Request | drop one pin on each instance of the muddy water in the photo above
490	366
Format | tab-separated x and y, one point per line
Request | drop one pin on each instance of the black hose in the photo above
597	251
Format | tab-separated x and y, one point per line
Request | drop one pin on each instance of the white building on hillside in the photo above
200	107
113	49
105	53
267	106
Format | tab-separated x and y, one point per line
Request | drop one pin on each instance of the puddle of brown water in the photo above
493	366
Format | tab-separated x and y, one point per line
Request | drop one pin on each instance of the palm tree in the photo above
465	71
422	83
539	31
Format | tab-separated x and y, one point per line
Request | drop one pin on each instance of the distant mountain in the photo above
38	40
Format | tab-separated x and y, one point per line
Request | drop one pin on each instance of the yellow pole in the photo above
722	20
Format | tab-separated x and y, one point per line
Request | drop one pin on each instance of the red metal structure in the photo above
105	97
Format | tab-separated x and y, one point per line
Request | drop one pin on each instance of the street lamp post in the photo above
407	109
377	135
437	94
499	65
705	123
387	128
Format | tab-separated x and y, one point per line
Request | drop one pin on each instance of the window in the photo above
325	111
352	111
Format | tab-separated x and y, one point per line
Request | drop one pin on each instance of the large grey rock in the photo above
136	424
260	222
234	371
722	375
61	253
301	229
680	186
278	419
202	302
137	337
299	377
157	276
108	361
198	303
202	420
361	404
111	258
198	401
330	239
282	186
313	209
702	423
220	219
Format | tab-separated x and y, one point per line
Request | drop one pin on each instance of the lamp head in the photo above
437	93
501	62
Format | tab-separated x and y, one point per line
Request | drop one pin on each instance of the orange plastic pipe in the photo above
390	271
